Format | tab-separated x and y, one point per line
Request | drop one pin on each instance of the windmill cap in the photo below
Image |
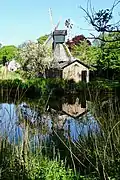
60	32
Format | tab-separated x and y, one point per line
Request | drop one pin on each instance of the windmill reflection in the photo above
69	106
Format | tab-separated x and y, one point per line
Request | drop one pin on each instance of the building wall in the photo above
74	71
53	73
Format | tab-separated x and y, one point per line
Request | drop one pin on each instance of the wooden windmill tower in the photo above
56	40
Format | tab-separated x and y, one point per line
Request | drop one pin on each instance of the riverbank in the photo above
42	86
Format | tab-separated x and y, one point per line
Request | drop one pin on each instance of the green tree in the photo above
105	54
109	56
8	51
86	53
42	39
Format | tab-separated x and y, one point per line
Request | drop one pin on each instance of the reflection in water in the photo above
76	109
8	123
81	127
67	120
70	105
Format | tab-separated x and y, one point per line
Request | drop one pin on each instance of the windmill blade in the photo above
49	40
51	18
57	24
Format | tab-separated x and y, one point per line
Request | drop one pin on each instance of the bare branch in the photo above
89	17
101	20
116	2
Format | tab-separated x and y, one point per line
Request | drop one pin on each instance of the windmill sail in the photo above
49	40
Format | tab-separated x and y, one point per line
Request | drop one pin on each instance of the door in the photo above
84	76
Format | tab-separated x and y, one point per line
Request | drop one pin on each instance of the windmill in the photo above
56	39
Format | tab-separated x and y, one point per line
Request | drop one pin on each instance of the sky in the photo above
22	20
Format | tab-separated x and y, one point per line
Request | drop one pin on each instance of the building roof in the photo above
75	60
60	32
63	64
60	54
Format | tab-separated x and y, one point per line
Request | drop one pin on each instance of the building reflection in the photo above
70	106
69	118
75	109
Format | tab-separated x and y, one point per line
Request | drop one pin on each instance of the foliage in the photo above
98	152
34	59
56	87
108	41
42	168
87	54
82	49
103	55
8	51
15	164
77	40
109	52
42	39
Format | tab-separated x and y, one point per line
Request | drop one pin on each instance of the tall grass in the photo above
21	161
25	159
100	152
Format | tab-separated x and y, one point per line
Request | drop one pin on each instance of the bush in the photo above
14	166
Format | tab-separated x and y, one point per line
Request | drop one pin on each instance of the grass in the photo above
36	167
19	162
5	74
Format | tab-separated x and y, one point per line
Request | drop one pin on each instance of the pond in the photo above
56	125
68	116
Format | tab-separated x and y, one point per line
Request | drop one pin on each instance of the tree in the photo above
8	51
42	39
77	40
81	48
101	21
87	54
108	41
34	59
110	52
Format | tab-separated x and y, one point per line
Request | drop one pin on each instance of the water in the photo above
8	122
69	118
